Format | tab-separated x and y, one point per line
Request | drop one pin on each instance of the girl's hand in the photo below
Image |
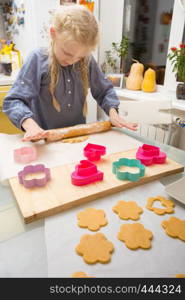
118	121
33	131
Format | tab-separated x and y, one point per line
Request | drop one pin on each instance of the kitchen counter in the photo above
23	248
160	94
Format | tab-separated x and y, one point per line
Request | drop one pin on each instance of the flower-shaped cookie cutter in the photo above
149	155
35	182
129	163
86	172
25	154
94	152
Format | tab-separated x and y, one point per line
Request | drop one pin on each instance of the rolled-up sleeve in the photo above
17	103
101	88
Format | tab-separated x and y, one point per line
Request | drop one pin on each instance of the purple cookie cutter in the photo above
29	183
86	172
25	154
93	152
149	155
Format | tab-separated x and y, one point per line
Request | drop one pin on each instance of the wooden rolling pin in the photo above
77	130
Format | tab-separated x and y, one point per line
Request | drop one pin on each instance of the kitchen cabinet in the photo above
5	125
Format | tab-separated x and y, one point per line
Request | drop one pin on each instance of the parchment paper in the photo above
24	255
165	258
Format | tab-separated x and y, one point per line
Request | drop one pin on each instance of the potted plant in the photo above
111	67
121	49
118	50
177	58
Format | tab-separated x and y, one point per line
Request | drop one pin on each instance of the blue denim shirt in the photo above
29	96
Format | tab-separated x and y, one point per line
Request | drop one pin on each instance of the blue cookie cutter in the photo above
129	163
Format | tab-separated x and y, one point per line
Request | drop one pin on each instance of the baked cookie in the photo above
80	275
175	228
168	204
77	139
95	248
128	210
91	218
180	275
135	236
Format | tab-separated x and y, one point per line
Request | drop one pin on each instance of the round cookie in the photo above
128	210
168	204
175	228
95	248
135	236
91	218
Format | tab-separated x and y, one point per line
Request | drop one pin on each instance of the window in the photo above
176	38
147	24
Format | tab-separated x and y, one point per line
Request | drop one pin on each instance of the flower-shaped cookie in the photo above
180	275
168	204
128	210
91	218
80	275
175	228
135	236
95	248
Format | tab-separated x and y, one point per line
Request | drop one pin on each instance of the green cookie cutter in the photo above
129	163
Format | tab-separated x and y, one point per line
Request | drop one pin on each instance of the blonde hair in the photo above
78	24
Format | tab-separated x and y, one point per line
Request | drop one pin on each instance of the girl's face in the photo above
68	52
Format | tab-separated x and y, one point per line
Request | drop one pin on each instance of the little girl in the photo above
51	87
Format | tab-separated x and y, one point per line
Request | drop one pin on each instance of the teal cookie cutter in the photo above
129	163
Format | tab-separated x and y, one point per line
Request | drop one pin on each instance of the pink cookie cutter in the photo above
149	155
94	152
86	172
25	154
35	182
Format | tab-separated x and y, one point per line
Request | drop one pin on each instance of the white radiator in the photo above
156	118
161	133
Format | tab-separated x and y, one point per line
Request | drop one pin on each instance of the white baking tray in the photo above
177	190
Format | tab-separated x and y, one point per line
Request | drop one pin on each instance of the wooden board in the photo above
59	194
